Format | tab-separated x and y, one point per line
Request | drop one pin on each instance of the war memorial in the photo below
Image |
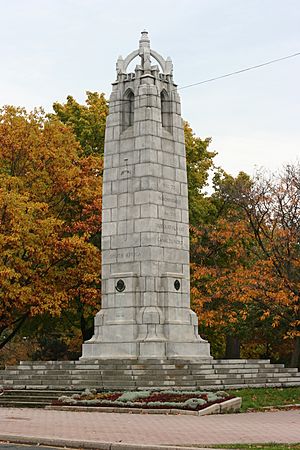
145	334
145	225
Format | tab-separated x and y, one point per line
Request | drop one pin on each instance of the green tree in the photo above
87	121
200	164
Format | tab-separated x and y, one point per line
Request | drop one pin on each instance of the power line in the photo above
226	75
236	72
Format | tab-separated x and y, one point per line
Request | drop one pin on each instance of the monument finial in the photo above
144	51
144	37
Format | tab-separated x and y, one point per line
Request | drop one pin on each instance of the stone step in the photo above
25	404
205	383
241	366
114	362
282	374
99	383
158	376
133	373
37	382
142	371
21	398
96	368
95	374
42	367
291	383
72	377
144	361
139	368
241	361
82	373
215	376
128	373
237	370
25	393
31	397
42	392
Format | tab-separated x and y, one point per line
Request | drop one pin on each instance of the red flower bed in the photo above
166	400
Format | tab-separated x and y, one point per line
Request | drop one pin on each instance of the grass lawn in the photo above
259	397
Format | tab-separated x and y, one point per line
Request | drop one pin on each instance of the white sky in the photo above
52	48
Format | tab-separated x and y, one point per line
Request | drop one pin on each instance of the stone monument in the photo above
145	334
145	222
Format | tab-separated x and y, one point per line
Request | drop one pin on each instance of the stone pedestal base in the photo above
119	350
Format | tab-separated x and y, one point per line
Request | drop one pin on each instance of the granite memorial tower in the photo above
145	309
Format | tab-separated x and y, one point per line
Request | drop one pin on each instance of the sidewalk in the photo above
81	429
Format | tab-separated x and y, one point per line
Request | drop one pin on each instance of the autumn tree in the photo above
50	206
87	121
235	291
200	164
61	162
221	255
272	206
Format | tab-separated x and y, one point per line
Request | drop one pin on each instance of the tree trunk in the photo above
232	347
295	358
87	332
19	323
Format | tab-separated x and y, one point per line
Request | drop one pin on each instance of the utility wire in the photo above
236	72
226	75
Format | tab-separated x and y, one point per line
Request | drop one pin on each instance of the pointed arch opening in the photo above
166	117
128	109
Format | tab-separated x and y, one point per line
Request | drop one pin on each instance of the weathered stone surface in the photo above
145	234
141	373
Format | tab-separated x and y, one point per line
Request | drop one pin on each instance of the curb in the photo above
275	407
66	443
232	405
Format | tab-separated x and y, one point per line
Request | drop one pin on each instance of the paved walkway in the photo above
151	429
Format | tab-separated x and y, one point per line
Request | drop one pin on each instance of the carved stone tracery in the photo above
145	53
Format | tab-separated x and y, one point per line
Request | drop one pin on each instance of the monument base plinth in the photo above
195	350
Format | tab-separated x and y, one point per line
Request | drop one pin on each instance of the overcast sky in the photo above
52	48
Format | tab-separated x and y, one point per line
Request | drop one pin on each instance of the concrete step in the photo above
241	361
42	392
134	373
25	404
24	398
206	383
32	398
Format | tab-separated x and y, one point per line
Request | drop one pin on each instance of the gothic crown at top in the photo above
145	52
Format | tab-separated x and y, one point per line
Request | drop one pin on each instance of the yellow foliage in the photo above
49	209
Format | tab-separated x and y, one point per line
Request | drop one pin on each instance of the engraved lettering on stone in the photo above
169	199
125	256
169	227
167	239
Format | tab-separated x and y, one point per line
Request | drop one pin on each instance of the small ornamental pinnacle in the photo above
145	232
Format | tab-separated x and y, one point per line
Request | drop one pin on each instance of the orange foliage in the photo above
50	209
235	288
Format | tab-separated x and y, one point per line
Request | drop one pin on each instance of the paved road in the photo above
151	429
